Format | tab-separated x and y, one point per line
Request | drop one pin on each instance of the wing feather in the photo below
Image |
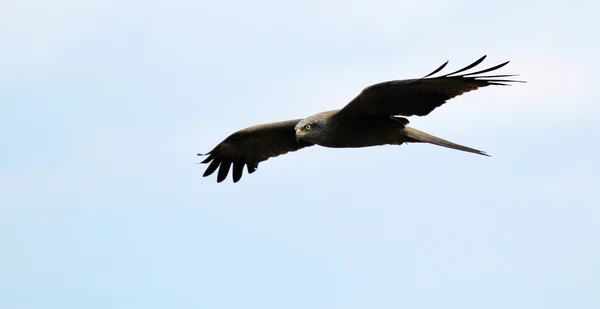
212	167
250	146
470	66
223	170
238	170
410	97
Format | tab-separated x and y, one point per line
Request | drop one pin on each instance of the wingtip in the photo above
480	60
201	155
208	159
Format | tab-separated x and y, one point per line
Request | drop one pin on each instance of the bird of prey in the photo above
372	118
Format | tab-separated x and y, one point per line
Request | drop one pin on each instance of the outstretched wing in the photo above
250	146
420	97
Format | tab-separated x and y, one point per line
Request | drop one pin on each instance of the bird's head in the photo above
311	129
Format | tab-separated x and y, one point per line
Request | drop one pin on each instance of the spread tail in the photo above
423	137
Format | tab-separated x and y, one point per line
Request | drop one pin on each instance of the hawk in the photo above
372	118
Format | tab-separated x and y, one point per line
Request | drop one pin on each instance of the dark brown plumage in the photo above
252	145
370	119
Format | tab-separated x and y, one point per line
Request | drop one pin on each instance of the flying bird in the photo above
372	118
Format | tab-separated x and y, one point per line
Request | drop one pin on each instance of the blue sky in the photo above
104	104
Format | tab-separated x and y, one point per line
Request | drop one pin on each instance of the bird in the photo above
375	117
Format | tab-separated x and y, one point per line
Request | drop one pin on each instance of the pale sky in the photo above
104	105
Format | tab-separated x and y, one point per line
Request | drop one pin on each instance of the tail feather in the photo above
423	137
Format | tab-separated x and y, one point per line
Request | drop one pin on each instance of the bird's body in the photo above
373	118
371	131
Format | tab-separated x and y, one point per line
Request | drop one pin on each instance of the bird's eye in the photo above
307	127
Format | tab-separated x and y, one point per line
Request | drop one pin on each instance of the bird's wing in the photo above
420	97
250	146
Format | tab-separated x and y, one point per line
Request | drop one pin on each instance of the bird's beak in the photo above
298	135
